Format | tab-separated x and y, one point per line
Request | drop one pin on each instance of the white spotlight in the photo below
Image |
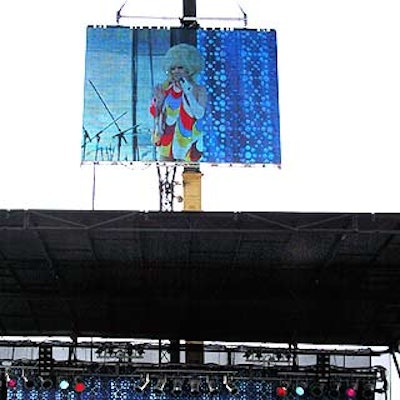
194	386
159	388
177	386
230	386
143	384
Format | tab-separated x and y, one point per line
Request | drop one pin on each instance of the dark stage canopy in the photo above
324	278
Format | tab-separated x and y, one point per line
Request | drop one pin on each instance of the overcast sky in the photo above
339	89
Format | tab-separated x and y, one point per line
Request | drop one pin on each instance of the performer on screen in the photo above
178	105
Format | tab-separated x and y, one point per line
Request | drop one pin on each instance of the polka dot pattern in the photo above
242	124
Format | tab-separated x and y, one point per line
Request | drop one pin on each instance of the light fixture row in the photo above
45	382
332	390
213	384
177	385
190	384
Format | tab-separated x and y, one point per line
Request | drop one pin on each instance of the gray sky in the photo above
339	89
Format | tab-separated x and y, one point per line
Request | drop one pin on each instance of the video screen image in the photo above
181	94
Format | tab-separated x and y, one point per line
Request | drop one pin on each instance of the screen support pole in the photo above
189	8
191	179
189	14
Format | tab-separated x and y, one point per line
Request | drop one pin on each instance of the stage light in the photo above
368	391
282	390
194	384
300	389
11	381
79	385
29	383
351	391
316	390
229	385
45	382
177	385
143	384
334	390
212	385
63	384
159	387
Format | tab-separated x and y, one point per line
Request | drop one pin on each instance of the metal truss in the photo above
166	180
245	222
127	360
135	351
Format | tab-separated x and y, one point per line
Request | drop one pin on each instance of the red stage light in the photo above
351	393
281	391
79	386
11	383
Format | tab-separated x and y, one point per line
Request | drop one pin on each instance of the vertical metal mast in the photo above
191	179
189	13
191	176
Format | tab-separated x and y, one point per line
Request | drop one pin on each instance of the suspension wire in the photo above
94	185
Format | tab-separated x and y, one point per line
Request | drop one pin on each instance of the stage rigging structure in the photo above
135	369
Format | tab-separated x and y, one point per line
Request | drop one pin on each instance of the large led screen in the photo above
181	94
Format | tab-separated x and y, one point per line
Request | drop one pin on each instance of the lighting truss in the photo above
212	376
135	349
280	368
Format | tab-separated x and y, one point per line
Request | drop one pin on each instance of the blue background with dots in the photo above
242	125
